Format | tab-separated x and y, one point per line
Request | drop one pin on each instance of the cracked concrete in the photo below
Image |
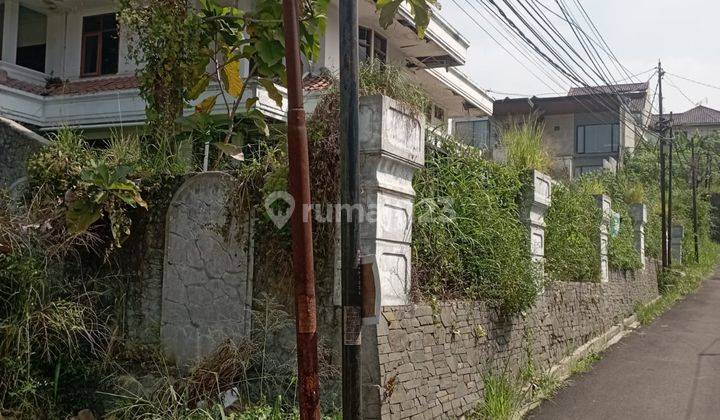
207	276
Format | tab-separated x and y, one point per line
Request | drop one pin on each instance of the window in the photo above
599	138
475	133
371	46
100	45
380	48
439	113
32	29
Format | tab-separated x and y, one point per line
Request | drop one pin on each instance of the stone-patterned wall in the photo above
17	143
430	360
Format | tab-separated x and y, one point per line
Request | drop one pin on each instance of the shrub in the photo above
572	234
468	240
525	150
621	248
502	399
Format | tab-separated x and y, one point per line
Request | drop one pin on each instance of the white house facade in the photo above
63	62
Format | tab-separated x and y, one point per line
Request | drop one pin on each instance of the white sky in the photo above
684	34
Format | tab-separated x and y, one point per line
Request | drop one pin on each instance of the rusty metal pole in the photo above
301	229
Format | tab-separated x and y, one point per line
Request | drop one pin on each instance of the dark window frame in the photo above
614	138
374	44
99	49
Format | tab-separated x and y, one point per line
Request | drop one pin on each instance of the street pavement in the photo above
668	370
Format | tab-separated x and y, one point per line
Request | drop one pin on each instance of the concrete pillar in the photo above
638	212
535	203
10	31
392	148
676	240
605	204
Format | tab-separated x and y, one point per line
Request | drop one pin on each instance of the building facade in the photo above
64	62
588	130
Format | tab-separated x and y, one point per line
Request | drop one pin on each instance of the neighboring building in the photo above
433	62
587	130
63	62
700	121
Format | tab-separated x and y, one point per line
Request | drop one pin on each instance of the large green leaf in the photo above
198	88
232	150
272	90
206	105
81	214
420	10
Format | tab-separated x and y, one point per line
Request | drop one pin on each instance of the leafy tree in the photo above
183	53
420	9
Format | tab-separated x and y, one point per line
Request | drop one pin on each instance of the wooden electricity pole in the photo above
301	230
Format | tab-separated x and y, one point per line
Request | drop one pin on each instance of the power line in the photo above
694	81
674	86
566	72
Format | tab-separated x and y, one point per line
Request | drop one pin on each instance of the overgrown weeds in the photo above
468	240
572	234
584	364
524	144
242	377
675	284
502	398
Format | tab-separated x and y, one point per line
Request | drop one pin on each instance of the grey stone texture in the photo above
207	280
428	361
17	143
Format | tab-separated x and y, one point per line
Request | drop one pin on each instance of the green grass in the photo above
584	364
676	285
502	399
524	144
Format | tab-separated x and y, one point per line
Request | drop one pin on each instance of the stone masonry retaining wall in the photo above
430	360
17	143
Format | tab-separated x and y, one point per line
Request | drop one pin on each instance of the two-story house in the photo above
699	121
587	130
64	62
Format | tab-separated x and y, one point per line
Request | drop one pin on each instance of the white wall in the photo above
64	43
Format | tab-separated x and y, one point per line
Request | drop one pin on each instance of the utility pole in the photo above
661	142
301	230
670	141
349	227
693	158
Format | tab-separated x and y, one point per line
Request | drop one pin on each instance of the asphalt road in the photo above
668	370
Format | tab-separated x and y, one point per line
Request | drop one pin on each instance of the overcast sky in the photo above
684	34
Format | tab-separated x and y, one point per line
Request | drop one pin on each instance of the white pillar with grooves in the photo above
535	204
605	204
392	148
676	241
638	212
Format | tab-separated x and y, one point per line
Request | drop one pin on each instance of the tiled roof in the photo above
318	82
79	87
700	115
620	88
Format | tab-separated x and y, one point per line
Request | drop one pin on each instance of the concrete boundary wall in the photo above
428	361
